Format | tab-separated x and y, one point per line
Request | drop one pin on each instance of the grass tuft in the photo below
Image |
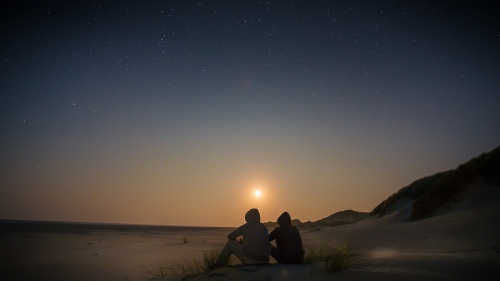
187	267
330	259
327	258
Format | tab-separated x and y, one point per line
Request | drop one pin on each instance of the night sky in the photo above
174	112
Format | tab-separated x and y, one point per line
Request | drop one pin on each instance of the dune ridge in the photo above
428	194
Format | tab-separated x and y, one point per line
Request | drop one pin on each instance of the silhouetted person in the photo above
254	249
288	240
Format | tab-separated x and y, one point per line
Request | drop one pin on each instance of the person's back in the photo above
255	248
255	237
288	240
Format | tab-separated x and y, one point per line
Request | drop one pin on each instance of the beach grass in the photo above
325	258
329	258
193	266
186	267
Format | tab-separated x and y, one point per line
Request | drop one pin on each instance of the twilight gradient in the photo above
174	112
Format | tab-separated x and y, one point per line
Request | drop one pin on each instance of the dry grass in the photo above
187	267
326	258
330	259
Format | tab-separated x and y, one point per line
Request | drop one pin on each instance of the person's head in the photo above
285	219
252	215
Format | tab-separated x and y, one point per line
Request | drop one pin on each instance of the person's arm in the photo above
296	229
237	232
272	235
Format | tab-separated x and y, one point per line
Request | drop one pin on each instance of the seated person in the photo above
255	248
288	240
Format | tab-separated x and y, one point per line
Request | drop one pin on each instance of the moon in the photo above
257	193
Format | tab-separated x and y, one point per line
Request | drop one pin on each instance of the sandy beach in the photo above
100	255
461	242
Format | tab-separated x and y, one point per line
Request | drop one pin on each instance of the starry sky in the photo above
174	112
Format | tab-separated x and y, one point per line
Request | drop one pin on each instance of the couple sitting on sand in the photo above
255	247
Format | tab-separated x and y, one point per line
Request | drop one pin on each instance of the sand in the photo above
99	256
461	242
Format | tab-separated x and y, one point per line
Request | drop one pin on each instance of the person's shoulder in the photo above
262	225
254	224
278	229
243	226
290	228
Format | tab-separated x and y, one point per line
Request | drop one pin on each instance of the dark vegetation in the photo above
325	258
186	267
414	191
431	192
330	259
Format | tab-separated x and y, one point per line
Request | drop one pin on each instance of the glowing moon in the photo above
257	193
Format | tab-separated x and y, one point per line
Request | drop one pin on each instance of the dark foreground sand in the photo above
461	242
